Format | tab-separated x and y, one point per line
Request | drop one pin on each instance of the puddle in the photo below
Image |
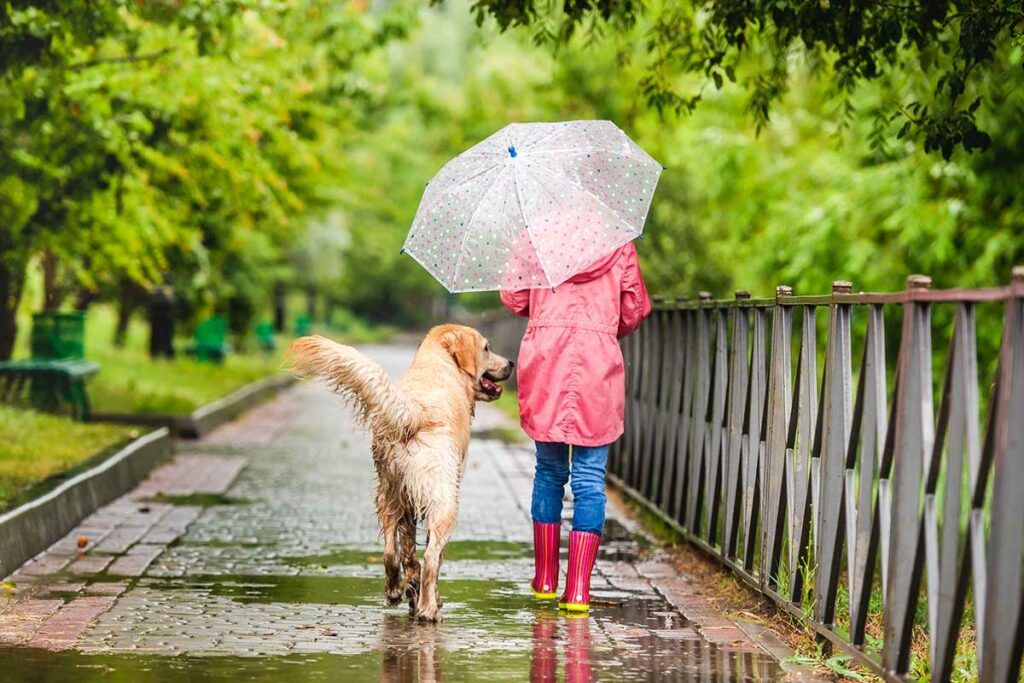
345	555
205	500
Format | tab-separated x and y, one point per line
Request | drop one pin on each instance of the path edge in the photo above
765	638
33	527
205	419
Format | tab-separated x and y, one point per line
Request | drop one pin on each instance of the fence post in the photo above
799	450
835	435
914	436
672	339
752	447
699	416
778	413
866	514
1003	636
688	342
739	374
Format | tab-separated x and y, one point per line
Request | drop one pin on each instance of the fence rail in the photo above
848	503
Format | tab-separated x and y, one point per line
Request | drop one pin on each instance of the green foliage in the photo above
191	137
954	49
807	201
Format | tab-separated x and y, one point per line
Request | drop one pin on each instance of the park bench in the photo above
303	325
48	385
211	340
55	375
265	336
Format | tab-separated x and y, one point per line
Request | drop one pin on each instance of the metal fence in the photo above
826	491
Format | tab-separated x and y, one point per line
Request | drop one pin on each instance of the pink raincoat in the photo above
572	381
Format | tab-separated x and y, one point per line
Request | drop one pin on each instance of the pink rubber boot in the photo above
545	553
582	554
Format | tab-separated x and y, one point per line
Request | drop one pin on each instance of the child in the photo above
572	403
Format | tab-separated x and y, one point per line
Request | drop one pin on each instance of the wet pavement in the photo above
254	555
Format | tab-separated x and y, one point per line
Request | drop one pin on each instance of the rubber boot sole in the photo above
575	607
542	596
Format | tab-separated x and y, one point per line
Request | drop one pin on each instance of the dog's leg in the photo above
440	529
410	564
392	566
389	520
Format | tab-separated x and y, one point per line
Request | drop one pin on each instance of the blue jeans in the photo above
553	469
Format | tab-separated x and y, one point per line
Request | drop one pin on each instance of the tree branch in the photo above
149	56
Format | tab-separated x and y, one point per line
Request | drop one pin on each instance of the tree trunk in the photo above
53	291
127	301
85	298
279	308
12	280
311	302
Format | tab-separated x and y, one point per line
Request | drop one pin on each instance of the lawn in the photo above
35	446
130	382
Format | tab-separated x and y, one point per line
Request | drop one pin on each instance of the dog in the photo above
420	428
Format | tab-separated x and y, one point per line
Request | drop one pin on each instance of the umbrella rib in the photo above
558	129
588	192
466	181
526	225
469	227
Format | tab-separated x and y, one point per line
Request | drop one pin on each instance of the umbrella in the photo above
532	205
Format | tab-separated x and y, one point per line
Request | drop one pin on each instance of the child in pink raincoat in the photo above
572	403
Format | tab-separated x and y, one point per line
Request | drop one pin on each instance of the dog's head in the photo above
472	354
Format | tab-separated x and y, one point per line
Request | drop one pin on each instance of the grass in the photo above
130	382
509	404
35	447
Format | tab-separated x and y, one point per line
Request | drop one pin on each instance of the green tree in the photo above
193	136
953	49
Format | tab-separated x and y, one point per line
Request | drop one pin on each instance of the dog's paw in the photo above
429	615
393	597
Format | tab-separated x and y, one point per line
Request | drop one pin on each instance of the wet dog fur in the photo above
420	427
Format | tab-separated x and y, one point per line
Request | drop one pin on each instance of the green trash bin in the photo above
58	335
211	339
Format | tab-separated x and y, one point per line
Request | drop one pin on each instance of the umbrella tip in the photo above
402	250
512	151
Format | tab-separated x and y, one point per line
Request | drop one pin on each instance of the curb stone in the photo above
205	419
33	527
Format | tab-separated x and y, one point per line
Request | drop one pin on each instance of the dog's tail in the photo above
377	401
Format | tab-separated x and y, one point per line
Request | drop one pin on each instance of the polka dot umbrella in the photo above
532	205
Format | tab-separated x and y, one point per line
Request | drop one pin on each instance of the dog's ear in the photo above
462	346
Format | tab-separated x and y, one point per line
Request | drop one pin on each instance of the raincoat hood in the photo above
598	267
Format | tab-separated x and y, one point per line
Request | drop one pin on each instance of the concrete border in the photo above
33	527
205	419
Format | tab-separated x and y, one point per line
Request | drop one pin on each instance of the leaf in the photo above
837	663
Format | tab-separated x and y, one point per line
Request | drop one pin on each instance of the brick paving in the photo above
259	544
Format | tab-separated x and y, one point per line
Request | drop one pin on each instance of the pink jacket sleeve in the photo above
634	304
517	302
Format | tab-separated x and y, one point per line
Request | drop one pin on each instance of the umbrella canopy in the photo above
532	205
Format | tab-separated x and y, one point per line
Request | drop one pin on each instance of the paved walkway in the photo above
254	555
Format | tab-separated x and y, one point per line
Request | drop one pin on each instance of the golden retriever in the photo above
420	427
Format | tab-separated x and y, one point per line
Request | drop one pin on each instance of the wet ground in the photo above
254	556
